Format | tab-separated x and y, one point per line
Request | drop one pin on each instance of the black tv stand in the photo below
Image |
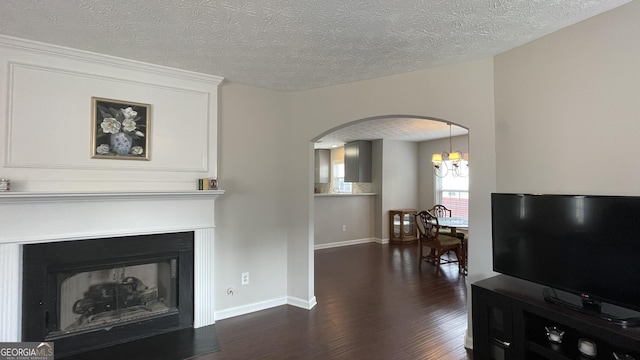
612	313
511	319
591	305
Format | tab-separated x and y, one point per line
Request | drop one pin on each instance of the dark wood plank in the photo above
174	345
373	303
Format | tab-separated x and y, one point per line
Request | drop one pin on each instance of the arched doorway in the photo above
402	146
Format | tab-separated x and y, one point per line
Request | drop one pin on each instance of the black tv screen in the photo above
588	246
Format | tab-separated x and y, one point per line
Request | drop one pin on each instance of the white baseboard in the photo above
343	243
263	305
246	309
468	340
301	303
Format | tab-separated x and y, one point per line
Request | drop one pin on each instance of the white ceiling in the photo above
293	45
390	128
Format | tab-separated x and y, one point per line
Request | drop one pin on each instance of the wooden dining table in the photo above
454	223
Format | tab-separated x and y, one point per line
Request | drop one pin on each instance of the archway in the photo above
428	134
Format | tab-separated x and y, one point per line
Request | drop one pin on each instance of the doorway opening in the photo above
403	172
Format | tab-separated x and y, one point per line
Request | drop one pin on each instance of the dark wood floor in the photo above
373	303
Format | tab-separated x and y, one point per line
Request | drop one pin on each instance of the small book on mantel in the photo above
208	184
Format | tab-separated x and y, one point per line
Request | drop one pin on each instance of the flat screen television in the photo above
584	248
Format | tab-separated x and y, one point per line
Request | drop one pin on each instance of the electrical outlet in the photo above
344	227
245	278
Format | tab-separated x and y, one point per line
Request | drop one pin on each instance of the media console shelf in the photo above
510	317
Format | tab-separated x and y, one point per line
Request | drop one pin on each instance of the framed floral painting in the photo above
120	129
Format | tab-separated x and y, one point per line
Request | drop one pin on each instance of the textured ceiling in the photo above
405	129
294	44
300	44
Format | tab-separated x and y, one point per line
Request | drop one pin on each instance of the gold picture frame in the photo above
120	129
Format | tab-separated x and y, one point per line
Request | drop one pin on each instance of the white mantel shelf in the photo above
12	197
27	217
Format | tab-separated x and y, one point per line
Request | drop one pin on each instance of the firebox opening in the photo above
89	294
106	297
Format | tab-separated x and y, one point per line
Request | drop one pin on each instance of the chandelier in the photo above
454	162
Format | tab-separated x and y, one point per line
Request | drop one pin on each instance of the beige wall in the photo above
252	216
568	109
376	178
399	179
354	212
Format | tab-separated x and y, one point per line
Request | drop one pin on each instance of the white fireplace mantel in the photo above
9	196
35	217
49	216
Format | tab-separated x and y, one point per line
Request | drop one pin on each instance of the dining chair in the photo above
439	210
465	253
438	244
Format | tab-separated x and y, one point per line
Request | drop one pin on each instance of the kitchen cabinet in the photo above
357	161
322	166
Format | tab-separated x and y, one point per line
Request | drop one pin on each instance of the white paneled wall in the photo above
47	127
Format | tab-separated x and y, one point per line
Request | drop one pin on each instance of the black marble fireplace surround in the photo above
47	266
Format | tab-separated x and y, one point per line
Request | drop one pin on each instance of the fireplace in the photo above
89	294
41	218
